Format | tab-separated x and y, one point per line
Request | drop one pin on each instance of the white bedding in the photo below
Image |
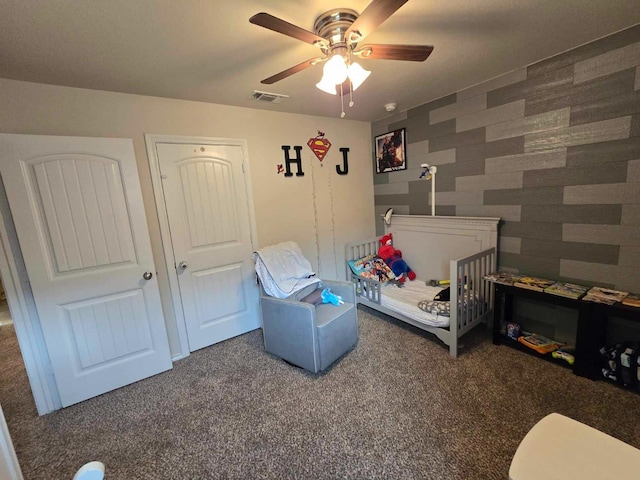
405	300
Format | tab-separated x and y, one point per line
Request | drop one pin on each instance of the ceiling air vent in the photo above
268	97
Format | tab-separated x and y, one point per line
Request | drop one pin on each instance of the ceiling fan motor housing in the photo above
333	25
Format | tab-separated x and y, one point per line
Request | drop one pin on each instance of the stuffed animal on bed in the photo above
393	258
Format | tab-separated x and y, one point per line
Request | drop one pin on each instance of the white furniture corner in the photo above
559	448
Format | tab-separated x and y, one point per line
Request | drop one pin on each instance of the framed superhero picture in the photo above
391	151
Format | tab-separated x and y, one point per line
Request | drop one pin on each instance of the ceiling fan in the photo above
337	35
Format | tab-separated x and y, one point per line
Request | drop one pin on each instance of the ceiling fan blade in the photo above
375	13
277	25
290	71
412	53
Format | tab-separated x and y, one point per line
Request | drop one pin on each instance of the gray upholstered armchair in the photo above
303	331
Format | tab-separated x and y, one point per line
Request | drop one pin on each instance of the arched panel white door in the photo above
77	207
208	212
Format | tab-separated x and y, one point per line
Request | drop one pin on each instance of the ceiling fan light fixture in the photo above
357	75
326	86
335	70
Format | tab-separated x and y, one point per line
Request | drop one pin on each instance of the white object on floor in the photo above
90	471
559	448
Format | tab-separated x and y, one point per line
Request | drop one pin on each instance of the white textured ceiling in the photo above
208	51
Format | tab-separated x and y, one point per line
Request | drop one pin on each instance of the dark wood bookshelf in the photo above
591	332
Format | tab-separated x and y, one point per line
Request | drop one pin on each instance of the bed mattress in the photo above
405	300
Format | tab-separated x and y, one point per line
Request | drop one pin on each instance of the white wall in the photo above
321	211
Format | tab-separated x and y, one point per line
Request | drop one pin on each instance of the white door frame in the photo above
9	466
165	232
26	324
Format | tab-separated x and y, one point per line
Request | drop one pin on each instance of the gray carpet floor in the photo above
396	407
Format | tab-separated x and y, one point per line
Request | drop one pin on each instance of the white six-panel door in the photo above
77	207
208	212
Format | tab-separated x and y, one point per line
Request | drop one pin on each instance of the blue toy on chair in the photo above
329	297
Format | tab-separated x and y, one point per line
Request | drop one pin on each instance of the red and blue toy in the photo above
393	258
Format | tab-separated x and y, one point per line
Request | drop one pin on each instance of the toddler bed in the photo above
462	248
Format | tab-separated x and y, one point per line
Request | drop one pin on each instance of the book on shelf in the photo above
569	290
539	343
607	296
533	283
503	278
633	300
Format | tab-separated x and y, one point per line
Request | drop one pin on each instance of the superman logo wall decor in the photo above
319	145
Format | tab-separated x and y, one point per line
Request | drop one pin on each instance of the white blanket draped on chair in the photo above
283	270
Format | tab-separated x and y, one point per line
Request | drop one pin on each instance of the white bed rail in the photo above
356	250
472	301
367	288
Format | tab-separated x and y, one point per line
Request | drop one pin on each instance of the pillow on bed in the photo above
435	307
372	267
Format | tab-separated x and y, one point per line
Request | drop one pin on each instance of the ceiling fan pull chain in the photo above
350	85
342	114
351	104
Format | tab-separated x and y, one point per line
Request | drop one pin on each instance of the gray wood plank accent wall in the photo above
553	149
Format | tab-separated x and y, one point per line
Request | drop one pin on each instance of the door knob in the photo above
182	265
147	275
